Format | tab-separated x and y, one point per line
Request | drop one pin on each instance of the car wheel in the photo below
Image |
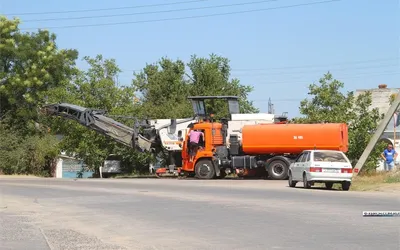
306	183
291	182
346	185
328	185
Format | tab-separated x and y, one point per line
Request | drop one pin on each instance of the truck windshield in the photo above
329	156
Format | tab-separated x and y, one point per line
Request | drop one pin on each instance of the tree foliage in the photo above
22	154
164	86
329	104
31	67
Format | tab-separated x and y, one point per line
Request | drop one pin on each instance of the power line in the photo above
321	65
188	17
339	79
104	9
302	67
278	100
343	79
315	71
150	12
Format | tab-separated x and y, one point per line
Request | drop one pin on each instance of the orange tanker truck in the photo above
257	149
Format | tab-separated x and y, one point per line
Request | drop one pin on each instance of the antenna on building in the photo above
271	109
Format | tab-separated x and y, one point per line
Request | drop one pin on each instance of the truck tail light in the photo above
347	170
315	169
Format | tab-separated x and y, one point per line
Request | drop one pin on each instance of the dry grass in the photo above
381	181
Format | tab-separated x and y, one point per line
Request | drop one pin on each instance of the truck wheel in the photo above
278	170
204	169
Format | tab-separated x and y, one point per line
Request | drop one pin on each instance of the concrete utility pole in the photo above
379	131
270	107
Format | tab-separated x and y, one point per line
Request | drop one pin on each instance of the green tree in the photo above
163	89
329	104
31	68
164	86
211	76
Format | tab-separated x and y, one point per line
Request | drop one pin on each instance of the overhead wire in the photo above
299	66
313	71
390	73
151	12
278	100
342	78
187	17
104	9
323	65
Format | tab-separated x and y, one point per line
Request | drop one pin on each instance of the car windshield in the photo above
329	156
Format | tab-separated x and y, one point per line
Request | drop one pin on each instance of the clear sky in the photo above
279	51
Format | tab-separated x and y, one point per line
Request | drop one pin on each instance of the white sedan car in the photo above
321	166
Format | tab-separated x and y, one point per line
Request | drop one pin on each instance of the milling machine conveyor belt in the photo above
97	121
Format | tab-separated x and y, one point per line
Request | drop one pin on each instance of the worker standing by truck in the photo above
194	142
389	155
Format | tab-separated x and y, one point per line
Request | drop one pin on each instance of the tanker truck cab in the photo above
210	159
321	166
204	165
223	149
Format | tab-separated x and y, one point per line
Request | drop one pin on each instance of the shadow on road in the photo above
315	188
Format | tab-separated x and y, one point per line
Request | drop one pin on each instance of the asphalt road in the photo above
189	214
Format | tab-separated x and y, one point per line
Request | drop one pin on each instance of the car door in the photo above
300	169
306	162
296	167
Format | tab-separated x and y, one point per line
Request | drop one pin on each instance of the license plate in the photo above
329	170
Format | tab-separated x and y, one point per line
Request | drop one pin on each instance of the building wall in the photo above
68	167
381	100
380	97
